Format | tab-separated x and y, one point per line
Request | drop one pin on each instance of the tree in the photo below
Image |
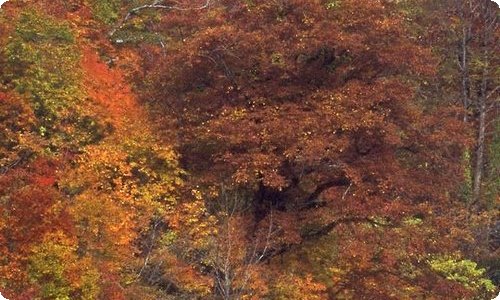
55	266
468	76
109	181
31	208
309	108
479	68
18	136
122	188
42	64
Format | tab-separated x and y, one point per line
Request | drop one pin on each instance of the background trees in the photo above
479	70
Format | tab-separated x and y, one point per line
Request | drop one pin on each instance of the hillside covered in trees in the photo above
249	149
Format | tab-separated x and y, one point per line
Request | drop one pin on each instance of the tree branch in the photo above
324	230
311	200
157	4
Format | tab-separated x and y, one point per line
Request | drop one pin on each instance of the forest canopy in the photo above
249	149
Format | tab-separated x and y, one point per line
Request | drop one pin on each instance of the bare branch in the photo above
157	4
492	92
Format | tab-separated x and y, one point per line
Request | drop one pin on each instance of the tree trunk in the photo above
464	69
479	163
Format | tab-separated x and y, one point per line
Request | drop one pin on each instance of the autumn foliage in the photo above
249	149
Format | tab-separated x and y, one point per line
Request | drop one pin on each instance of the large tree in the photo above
309	109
